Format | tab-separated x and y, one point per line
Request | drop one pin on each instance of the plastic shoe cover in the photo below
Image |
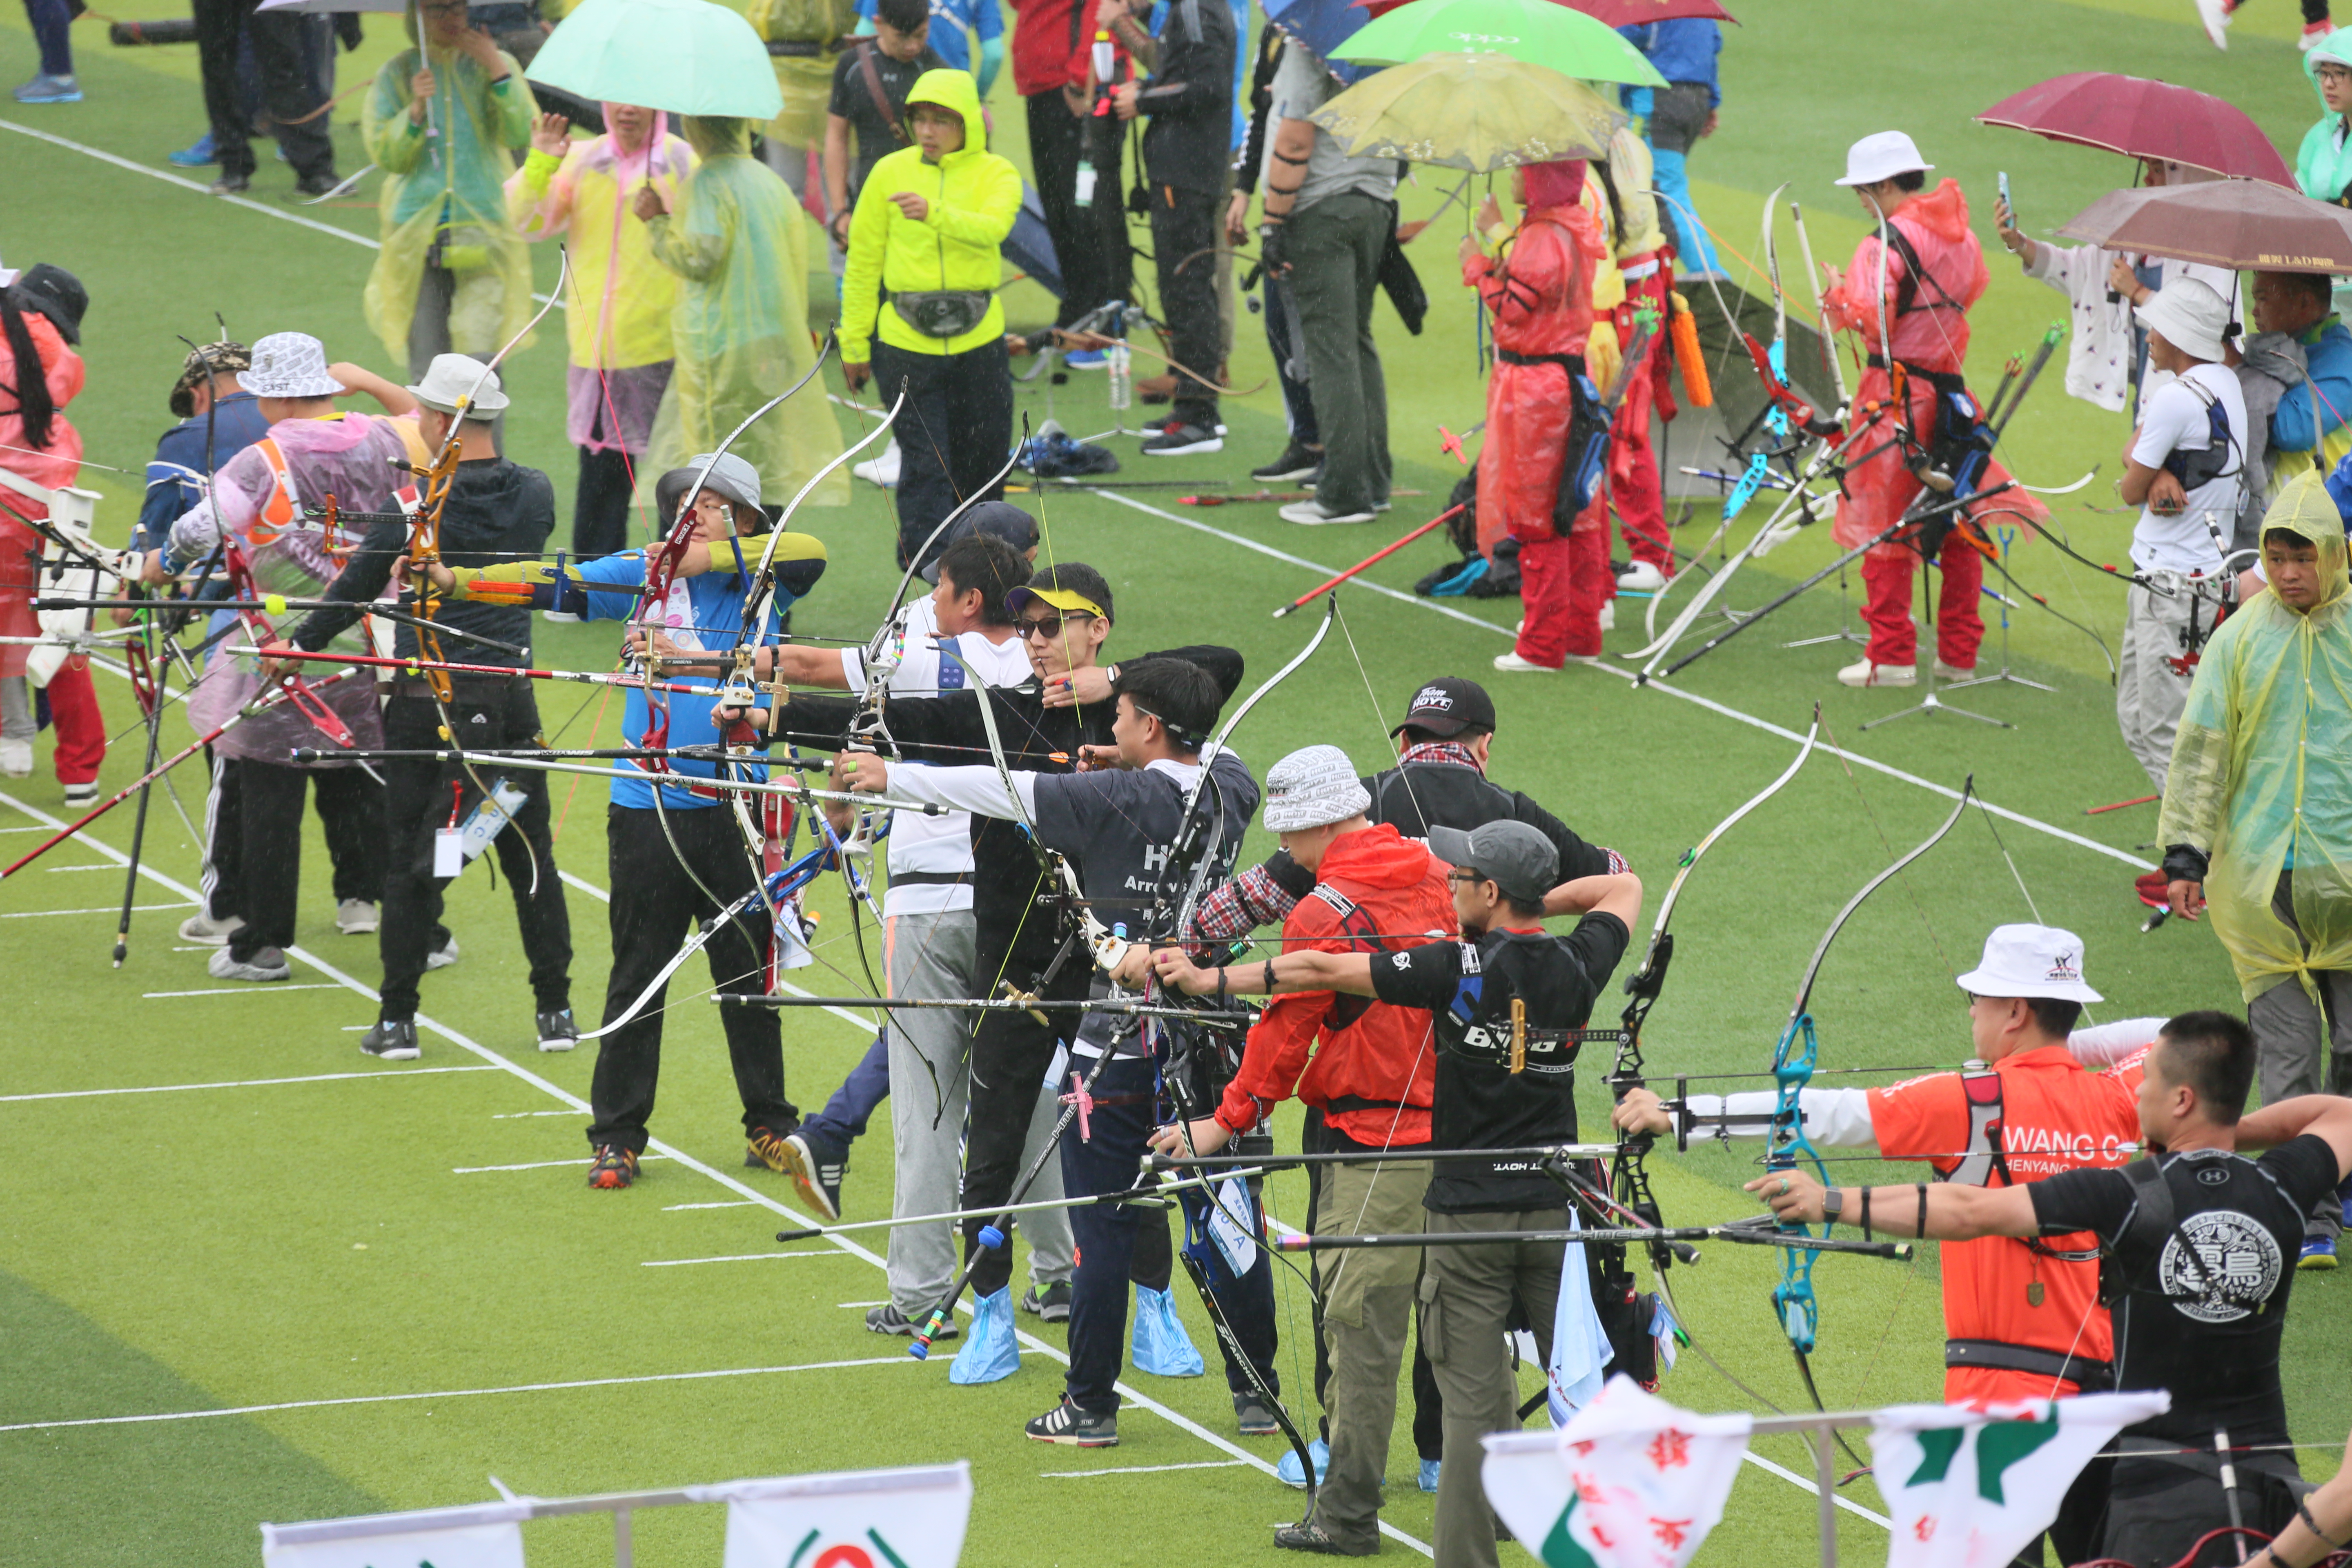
1162	1347
990	1352
1292	1474
1429	1469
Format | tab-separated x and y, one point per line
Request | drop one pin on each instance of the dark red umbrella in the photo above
2143	119
1634	13
2222	222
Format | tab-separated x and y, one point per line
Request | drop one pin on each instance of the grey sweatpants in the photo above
2299	1049
1336	247
2150	691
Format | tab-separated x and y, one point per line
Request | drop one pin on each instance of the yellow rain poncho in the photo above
2261	770
446	179
741	329
805	79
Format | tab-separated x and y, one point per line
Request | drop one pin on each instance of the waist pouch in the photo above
942	312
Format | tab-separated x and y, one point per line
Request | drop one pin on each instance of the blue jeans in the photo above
50	20
844	1116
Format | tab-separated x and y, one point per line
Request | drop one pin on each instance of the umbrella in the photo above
1471	111
1321	25
1636	13
2143	119
688	57
2222	222
1537	31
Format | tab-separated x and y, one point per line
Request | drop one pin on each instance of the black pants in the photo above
1010	1054
1090	243
418	803
1428	1409
269	843
654	903
351	818
1183	242
600	516
290	87
953	435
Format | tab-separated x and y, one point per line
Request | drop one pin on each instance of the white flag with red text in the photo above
912	1518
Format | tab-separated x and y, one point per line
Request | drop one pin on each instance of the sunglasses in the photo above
1046	627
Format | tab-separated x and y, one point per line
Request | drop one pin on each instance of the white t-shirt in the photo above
925	847
2173	417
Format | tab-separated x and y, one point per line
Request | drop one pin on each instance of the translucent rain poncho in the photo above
446	178
740	243
2261	770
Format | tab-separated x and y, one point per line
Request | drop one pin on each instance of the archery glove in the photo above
1273	249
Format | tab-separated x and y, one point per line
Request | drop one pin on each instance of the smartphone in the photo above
2006	202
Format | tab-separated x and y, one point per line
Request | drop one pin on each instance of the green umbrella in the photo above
1540	32
688	57
1478	113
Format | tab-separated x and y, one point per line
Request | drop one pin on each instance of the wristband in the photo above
1923	1209
2303	1512
1865	1214
1221	985
1269	977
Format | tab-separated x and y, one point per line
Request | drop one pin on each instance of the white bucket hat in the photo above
1882	156
2030	961
1313	788
289	365
2191	317
452	376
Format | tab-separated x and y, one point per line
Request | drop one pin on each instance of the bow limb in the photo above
694	945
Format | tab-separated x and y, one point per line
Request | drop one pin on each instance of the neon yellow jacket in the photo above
2261	770
619	302
974	196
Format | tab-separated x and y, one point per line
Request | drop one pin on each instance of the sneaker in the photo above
1290	1473
230	186
1053	1304
1308	1536
16	758
992	1354
558	1031
1294	464
1085	359
395	1040
316	185
445	955
1640	577
882	471
2154	888
201	927
1429	1469
812	1161
565	616
49	90
196	154
1608	616
616	1167
1869	674
886	1319
1253	1416
2215	15
1512	661
1955	671
266	964
1313	514
2313	32
1067	1424
1179	440
1158	1343
355	917
81	796
2318	1253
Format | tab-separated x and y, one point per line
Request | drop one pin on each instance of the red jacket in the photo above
1387	1055
1539	292
1051	44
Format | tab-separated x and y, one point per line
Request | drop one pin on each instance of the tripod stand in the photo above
1931	703
2004	674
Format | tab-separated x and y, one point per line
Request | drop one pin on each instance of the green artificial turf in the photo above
287	1244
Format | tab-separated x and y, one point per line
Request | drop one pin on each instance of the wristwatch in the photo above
1833	1203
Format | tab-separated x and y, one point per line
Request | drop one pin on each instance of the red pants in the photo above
1959	629
81	727
1563	583
1641	505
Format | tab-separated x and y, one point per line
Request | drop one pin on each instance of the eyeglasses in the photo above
1464	875
1046	627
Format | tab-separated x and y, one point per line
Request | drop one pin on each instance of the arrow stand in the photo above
1931	703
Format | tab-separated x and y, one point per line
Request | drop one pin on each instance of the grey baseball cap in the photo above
1513	856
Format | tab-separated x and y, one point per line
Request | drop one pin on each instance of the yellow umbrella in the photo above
1474	112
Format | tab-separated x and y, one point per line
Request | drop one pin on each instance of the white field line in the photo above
1137	1469
737	1258
536	1165
738	1204
1128	1393
264	989
240	1083
1786	1474
101	866
515	1115
111	910
2036	824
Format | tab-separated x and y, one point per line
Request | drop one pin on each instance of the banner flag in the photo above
859	1519
477	1538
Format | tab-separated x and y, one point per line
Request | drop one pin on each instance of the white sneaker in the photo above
266	964
2215	15
1609	614
563	615
1955	671
1869	674
443	956
2313	32
202	929
1641	577
1311	514
355	917
882	471
1513	662
17	759
80	796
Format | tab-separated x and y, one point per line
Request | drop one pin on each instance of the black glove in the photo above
1274	249
2185	863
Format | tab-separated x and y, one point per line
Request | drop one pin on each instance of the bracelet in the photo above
2303	1512
1865	1214
1269	977
1923	1209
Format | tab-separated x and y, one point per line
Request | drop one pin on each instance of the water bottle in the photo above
1120	364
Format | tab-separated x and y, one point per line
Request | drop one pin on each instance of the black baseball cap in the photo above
1512	855
1449	705
1001	519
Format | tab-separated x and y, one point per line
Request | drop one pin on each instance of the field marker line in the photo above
1128	1393
188	185
737	1258
1137	1469
1626	675
536	1165
115	910
513	1115
262	989
1762	1463
672	1208
53	870
455	1393
238	1083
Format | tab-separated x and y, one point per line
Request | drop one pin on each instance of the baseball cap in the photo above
1003	519
225	357
1313	787
1513	856
2026	960
1449	705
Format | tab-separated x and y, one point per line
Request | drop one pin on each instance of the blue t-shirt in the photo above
1683	48
716	602
176	473
950	18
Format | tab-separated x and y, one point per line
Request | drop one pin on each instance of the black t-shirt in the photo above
869	128
2204	1303
1415	797
1479	1102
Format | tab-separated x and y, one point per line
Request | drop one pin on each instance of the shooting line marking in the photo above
235	1083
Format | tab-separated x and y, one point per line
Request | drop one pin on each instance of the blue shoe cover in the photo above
1162	1347
1292	1474
990	1352
1429	1468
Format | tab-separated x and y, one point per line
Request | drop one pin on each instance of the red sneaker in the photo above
2155	889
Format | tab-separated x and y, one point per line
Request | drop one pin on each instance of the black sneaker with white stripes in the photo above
1296	463
1074	1428
1178	439
1052	1303
393	1039
886	1319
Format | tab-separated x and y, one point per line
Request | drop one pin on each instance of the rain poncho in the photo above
51	468
445	180
618	300
806	80
2262	769
740	327
2323	164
